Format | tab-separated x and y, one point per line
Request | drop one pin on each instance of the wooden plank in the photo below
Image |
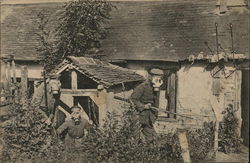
3	71
172	94
13	70
24	83
216	138
86	92
73	80
182	135
13	67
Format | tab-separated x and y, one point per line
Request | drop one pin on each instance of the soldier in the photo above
76	127
143	97
53	95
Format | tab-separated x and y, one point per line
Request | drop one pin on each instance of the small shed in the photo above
92	84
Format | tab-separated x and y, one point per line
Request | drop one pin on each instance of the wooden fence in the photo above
12	91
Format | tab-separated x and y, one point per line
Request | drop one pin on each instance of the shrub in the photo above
119	140
201	142
228	135
26	136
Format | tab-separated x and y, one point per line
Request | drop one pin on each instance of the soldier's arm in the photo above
136	95
63	127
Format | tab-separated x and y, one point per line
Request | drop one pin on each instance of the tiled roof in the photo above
99	71
153	30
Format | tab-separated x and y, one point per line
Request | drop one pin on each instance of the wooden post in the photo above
14	70
73	80
24	83
8	91
216	138
3	71
171	91
13	67
45	89
182	135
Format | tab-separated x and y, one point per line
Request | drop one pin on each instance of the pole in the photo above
231	30
217	44
45	89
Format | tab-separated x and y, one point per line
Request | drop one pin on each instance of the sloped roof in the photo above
99	71
168	30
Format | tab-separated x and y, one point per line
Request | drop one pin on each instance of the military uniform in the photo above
144	94
75	132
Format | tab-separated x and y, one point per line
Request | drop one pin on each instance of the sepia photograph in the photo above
124	81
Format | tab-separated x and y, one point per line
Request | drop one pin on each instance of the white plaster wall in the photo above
195	95
34	71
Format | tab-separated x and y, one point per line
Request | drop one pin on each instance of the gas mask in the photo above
55	86
76	117
157	82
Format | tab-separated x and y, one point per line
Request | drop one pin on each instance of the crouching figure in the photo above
76	127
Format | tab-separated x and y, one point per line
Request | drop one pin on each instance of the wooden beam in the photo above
79	92
14	70
171	91
3	71
8	72
24	83
73	80
182	135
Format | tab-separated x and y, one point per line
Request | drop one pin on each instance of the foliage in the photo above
78	33
26	136
228	134
201	142
119	140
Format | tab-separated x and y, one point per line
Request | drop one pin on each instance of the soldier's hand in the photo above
147	106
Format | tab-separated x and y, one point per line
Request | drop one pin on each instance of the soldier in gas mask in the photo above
76	127
53	95
144	97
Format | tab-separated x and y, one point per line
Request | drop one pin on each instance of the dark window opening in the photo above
89	107
83	82
65	80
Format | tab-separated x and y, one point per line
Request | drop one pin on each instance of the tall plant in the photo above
78	33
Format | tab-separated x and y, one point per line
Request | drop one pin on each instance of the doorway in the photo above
245	107
89	106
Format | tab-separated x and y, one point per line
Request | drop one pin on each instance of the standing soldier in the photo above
143	97
76	127
53	94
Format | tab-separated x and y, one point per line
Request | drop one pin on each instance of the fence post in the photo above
182	135
24	83
8	78
14	78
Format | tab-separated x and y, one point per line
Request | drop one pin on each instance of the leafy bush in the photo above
228	135
201	142
119	140
26	136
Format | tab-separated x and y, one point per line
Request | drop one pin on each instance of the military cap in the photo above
156	71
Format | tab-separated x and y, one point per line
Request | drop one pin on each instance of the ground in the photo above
241	157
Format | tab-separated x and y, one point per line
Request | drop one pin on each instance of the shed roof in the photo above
167	30
99	71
